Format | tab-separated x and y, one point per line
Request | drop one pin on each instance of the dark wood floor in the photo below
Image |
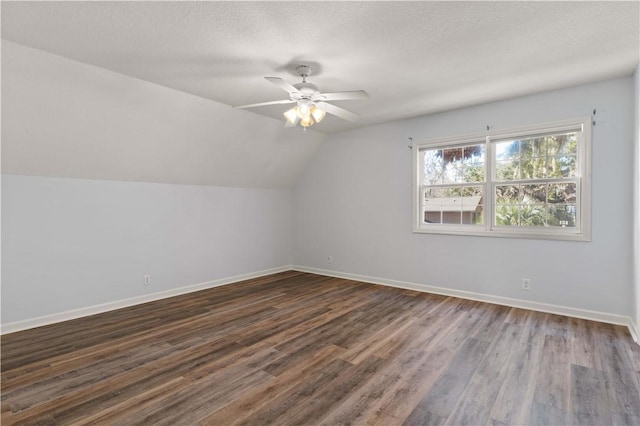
296	348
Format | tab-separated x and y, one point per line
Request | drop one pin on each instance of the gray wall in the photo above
354	203
73	243
76	244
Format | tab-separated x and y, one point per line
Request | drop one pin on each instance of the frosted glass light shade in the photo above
317	114
292	115
304	110
307	121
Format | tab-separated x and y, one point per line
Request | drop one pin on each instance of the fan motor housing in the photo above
307	89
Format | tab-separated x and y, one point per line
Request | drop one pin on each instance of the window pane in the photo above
508	170
451	191
554	145
452	217
451	204
520	205
507	194
507	214
452	155
474	163
507	150
474	152
472	191
532	213
552	156
433	193
561	152
540	204
567	144
562	215
535	193
433	171
562	193
432	217
454	165
533	168
565	166
454	205
532	148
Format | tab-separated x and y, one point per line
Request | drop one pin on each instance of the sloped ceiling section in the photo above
67	119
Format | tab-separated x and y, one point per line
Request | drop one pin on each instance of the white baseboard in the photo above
516	303
633	329
12	327
498	300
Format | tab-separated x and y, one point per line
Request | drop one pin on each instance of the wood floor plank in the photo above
583	346
262	396
589	399
285	407
517	389
443	397
415	380
200	398
551	402
360	404
474	406
298	348
622	385
394	334
336	391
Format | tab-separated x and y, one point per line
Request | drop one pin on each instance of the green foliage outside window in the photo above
529	172
536	203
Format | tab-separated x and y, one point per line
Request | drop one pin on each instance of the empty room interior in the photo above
305	213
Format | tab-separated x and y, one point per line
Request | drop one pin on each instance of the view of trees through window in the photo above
527	182
535	182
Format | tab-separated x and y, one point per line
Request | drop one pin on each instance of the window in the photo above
530	183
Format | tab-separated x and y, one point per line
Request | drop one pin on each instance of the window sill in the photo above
478	231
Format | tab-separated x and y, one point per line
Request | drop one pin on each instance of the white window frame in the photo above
582	230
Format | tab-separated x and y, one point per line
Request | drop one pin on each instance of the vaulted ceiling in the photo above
142	91
413	58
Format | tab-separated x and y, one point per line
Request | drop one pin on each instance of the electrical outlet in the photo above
526	284
147	280
330	259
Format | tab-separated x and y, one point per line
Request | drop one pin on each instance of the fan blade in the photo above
284	101
337	111
343	96
282	84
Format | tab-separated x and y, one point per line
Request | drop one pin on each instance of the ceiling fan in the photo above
311	105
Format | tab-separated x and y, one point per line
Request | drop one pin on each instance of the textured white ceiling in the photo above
412	57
